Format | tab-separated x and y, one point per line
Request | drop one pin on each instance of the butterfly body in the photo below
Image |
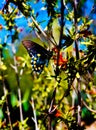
39	55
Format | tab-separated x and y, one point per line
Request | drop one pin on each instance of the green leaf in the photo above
1	114
56	30
13	100
86	43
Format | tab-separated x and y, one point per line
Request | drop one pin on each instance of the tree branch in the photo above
61	35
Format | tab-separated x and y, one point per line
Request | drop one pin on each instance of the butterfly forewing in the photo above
39	55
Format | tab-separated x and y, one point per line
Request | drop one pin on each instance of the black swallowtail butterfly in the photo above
40	56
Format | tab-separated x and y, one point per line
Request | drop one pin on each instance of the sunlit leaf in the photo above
56	30
86	43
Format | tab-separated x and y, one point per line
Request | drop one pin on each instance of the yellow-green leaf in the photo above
56	30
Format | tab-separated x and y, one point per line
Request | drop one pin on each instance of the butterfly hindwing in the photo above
39	55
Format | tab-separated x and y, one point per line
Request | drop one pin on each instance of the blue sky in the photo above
21	22
1	3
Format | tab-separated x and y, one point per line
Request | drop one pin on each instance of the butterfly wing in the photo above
40	56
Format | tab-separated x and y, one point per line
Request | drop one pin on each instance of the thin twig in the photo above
43	33
77	58
61	35
79	103
34	113
66	6
51	110
52	101
76	30
7	105
90	109
84	103
18	83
